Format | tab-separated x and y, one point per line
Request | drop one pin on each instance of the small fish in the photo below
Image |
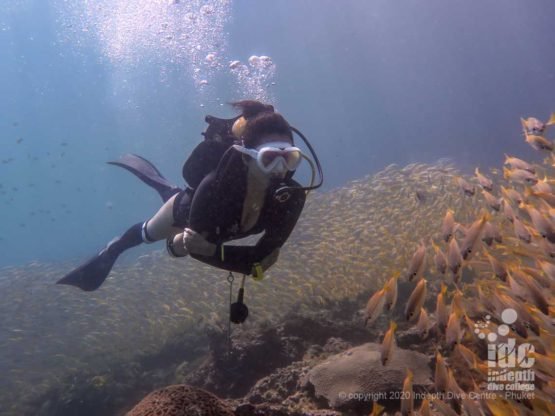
542	186
484	182
416	300
544	363
547	268
374	307
491	234
520	176
521	231
19	140
493	202
453	333
441	378
515	163
467	354
407	398
391	292
388	343
523	315
539	276
500	406
440	260
498	269
443	408
472	237
508	211
377	409
448	226
454	258
442	310
544	196
531	290
539	142
548	248
469	404
425	408
466	188
423	324
420	196
417	263
542	225
532	125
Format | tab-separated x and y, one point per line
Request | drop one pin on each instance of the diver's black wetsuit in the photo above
214	204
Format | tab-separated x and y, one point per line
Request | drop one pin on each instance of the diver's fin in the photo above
148	173
90	275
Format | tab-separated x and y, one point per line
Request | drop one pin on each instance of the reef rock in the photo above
356	377
181	400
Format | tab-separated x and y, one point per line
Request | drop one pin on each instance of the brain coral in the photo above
181	400
344	377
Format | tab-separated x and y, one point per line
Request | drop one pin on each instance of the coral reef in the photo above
181	400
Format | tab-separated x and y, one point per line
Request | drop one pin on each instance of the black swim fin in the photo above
147	173
90	275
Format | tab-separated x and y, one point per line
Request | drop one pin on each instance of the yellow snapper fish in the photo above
520	176
453	333
425	408
539	142
391	292
473	237
454	258
521	231
440	260
532	291
377	409
416	300
444	408
441	378
374	307
516	163
547	268
467	354
498	269
490	234
388	343
512	195
543	186
508	211
532	125
442	310
448	226
542	225
484	182
466	188
493	202
423	324
417	263
407	398
548	197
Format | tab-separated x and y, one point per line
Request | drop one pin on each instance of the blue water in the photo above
369	82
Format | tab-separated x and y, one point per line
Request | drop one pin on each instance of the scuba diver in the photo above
239	184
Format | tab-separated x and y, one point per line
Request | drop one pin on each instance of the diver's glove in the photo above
195	243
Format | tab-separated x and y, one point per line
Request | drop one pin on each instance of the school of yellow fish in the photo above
495	278
345	242
349	241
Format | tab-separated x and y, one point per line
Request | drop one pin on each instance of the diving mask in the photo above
274	156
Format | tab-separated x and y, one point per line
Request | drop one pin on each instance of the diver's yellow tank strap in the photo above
257	272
